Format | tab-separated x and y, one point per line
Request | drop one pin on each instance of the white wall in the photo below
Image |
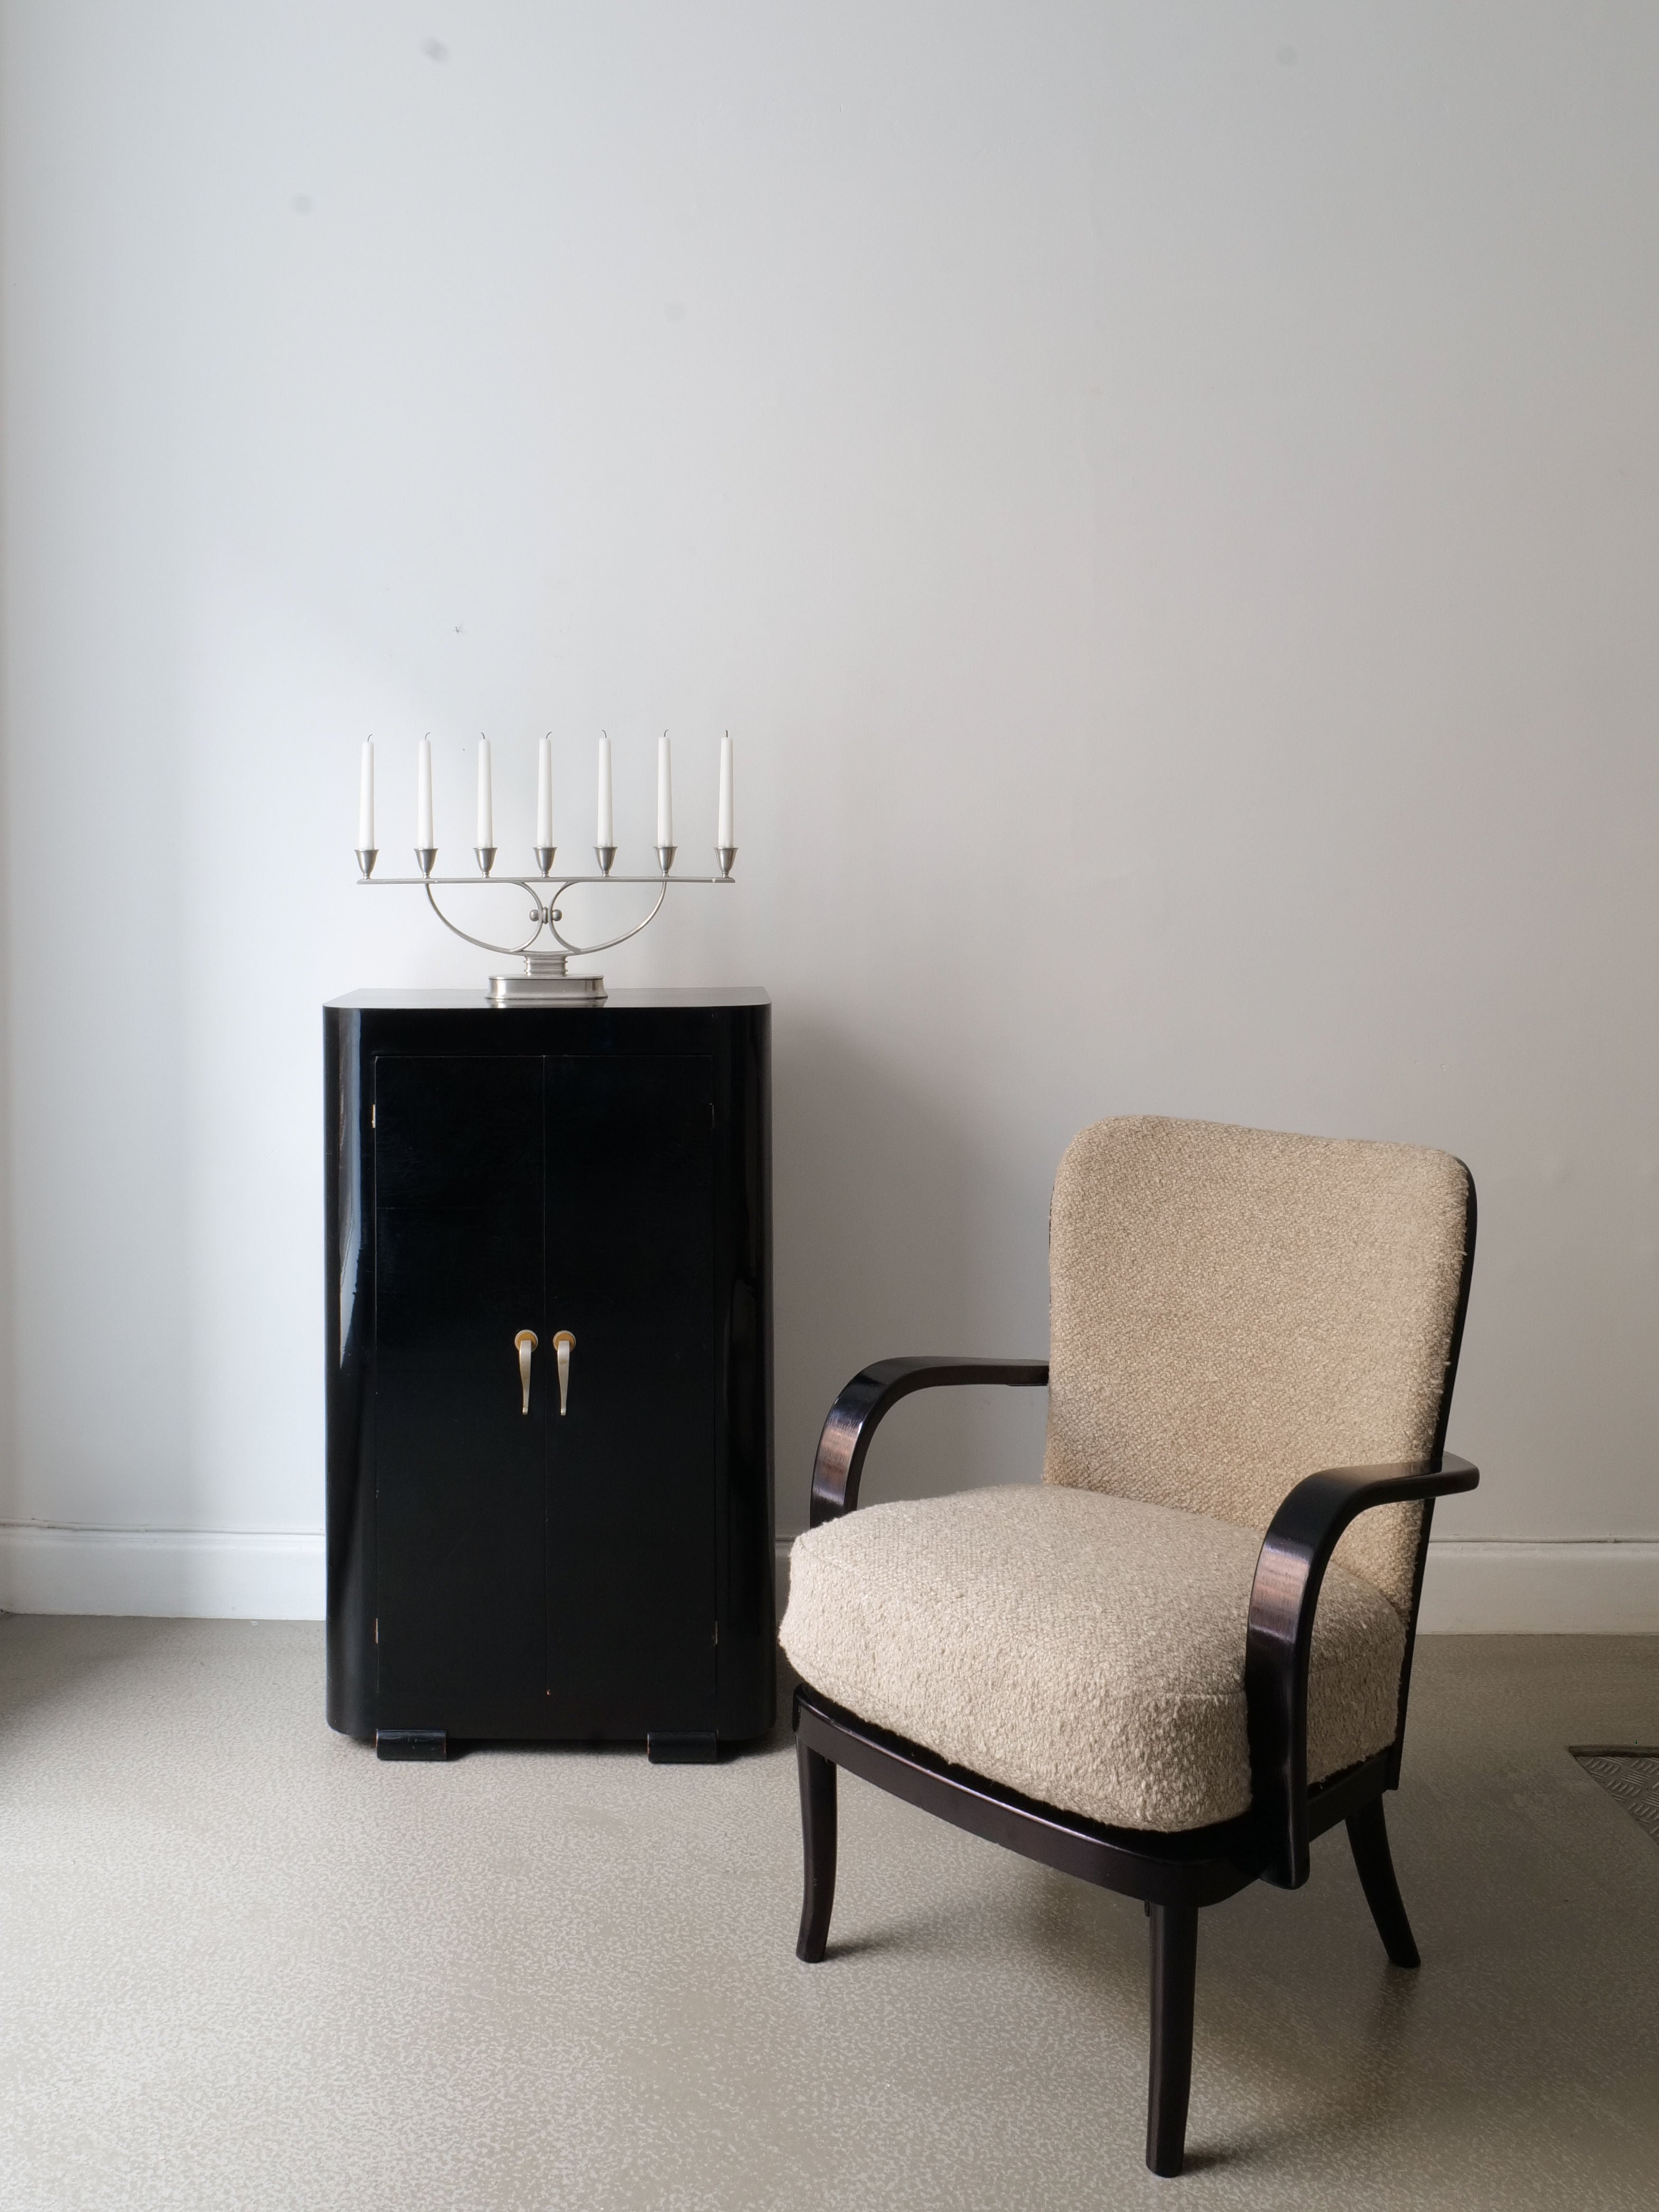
1163	496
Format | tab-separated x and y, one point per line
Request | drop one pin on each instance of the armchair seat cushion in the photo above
1086	1649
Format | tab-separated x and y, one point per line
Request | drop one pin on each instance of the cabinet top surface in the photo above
411	1001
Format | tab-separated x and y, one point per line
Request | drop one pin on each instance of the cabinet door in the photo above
631	1531
459	1468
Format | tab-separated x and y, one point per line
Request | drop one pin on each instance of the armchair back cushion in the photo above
1235	1309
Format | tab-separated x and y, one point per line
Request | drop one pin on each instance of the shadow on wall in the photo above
897	1231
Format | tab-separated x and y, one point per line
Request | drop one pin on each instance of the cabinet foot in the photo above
411	1743
683	1750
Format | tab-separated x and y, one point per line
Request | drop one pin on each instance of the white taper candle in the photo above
726	835
545	793
423	837
486	835
606	834
365	799
664	792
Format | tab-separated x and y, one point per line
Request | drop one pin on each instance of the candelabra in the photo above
545	978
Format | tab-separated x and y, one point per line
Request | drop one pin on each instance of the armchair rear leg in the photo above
817	1828
1175	1963
1368	1833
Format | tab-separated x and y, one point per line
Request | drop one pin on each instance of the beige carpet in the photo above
244	1965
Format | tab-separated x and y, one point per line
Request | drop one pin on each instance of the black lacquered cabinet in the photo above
516	1551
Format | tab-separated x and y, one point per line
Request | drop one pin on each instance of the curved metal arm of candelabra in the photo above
483	944
547	918
584	949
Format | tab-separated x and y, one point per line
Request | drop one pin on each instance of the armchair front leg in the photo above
845	1440
853	1417
1278	1641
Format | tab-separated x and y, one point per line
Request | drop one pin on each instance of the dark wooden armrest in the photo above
1294	1554
852	1418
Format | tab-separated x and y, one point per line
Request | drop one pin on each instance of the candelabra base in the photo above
545	981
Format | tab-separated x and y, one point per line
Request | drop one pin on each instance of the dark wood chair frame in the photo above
1173	1874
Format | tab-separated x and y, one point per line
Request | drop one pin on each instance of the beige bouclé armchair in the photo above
1187	1650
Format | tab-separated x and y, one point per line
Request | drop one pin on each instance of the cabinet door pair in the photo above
544	1571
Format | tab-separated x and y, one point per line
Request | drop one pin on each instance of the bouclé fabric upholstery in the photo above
1231	1310
1086	1650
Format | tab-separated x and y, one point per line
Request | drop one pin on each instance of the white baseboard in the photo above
1487	1587
1473	1587
1490	1587
179	1573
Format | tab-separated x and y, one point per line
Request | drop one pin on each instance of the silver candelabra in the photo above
545	978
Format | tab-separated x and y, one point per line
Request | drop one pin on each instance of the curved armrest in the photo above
852	1418
1294	1554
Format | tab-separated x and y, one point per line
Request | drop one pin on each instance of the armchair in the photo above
1127	1672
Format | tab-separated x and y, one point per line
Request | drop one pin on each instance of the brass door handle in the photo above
526	1340
563	1344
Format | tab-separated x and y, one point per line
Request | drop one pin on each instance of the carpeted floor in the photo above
243	1964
